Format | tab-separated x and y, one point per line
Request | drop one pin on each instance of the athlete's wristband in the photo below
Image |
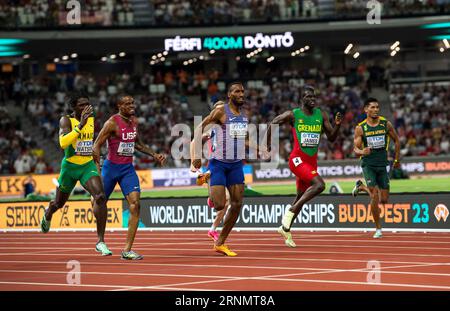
76	129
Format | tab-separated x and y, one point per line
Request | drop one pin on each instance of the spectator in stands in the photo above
41	167
23	164
29	185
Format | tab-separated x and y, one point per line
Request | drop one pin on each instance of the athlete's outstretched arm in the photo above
213	118
109	128
328	129
393	135
285	117
358	143
142	147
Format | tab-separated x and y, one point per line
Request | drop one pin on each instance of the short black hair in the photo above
234	83
370	100
74	97
122	95
306	88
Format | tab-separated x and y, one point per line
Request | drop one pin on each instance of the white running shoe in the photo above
287	237
378	234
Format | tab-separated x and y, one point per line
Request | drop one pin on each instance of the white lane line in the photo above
383	270
274	278
357	283
228	260
234	243
369	239
300	250
322	271
203	266
61	284
181	284
123	273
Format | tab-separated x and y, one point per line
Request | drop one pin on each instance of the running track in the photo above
185	261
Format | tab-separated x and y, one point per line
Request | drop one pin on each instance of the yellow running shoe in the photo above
223	249
287	237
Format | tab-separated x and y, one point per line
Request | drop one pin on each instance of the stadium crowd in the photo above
422	118
190	12
162	101
355	8
52	13
19	153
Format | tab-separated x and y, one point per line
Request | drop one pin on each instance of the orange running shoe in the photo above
223	249
203	178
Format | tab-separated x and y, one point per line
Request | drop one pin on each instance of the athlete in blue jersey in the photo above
230	139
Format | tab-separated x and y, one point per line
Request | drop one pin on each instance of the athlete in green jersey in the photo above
308	122
76	134
371	143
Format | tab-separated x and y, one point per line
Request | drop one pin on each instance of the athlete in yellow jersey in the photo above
76	135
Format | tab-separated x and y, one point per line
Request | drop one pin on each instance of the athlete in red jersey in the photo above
308	123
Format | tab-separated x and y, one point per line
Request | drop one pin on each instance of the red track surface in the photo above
186	261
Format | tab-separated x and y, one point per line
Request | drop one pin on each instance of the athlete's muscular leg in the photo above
218	197
384	196
299	195
134	204
236	196
220	214
95	187
54	205
316	188
308	182
374	201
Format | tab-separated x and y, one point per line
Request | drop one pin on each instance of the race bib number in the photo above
238	130
126	149
309	139
376	142
84	148
297	161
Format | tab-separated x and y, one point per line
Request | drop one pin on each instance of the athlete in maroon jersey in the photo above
122	135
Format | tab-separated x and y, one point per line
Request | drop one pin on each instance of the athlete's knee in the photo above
135	208
100	199
218	206
219	203
383	200
320	186
54	205
236	202
234	208
375	196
